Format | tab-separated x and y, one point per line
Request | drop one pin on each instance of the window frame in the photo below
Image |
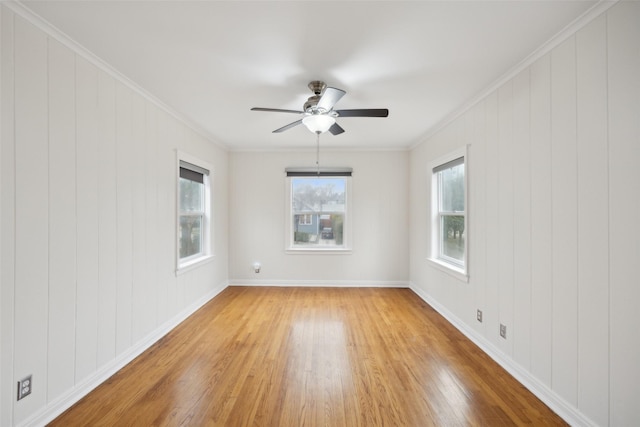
205	254
452	266
290	247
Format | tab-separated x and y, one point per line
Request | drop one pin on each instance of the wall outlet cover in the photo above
503	331
25	386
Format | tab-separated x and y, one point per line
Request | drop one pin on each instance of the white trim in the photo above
65	401
318	251
450	269
461	273
206	254
347	232
328	148
193	264
568	31
2	380
23	11
560	406
322	283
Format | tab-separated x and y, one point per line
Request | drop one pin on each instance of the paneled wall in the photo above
554	184
88	221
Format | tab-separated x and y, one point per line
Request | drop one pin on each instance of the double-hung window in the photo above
318	209
193	212
449	216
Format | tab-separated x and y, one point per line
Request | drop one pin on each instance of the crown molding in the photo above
573	27
21	9
329	149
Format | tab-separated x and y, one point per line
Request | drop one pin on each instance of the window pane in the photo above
326	229
452	232
452	188
318	194
190	235
191	196
318	206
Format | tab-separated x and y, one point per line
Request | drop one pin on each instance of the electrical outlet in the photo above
503	331
479	315
25	386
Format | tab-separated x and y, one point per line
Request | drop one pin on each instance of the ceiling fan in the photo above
319	115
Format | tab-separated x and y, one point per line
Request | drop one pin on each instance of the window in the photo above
449	220
193	212
318	209
306	219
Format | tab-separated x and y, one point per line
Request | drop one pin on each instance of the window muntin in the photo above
449	225
193	213
318	209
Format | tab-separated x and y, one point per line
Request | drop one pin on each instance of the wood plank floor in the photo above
312	357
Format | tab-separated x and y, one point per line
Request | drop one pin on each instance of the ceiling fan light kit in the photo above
319	115
318	123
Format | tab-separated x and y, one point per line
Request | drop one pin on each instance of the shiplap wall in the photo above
88	222
554	243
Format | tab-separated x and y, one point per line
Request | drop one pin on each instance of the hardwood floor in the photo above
312	357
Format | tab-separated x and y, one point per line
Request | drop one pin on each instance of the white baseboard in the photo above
560	406
322	283
64	402
564	409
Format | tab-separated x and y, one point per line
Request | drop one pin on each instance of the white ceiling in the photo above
211	61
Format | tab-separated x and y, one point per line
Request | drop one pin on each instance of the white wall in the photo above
554	244
88	222
379	219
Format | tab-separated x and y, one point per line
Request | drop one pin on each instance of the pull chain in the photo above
318	151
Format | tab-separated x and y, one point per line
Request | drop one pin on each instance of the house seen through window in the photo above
318	211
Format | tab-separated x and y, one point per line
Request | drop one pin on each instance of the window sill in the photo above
193	264
451	270
315	251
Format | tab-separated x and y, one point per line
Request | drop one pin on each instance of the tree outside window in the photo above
451	211
449	215
193	213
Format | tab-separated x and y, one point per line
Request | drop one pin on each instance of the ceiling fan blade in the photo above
289	126
276	110
367	112
336	129
329	98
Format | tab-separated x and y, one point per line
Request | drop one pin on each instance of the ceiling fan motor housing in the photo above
317	87
311	103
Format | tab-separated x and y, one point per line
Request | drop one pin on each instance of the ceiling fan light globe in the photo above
318	123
